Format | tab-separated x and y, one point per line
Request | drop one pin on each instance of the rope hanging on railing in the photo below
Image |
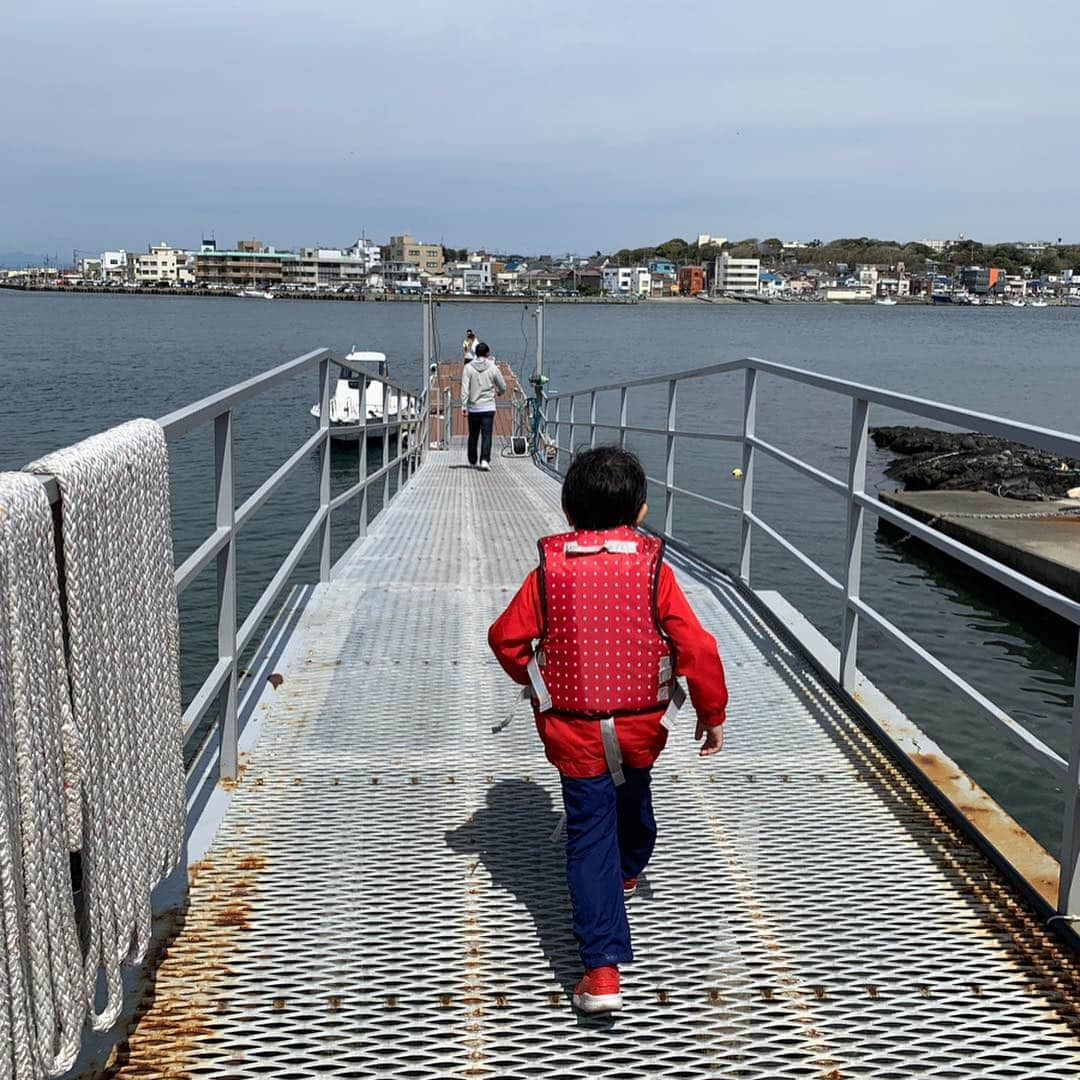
123	666
42	997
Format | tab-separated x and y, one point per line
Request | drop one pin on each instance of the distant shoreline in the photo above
442	298
379	298
452	298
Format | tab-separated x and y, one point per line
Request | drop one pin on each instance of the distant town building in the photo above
705	240
89	268
402	277
736	275
662	266
1031	247
936	245
114	265
662	284
162	263
691	280
404	249
326	269
852	291
772	284
983	281
367	250
627	281
472	277
250	265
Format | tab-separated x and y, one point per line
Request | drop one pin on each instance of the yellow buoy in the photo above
736	474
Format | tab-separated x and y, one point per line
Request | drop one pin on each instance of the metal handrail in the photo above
859	502
221	684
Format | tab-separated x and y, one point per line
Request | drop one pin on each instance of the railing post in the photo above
402	431
1069	879
324	472
406	455
624	414
592	419
386	445
669	466
849	627
363	468
448	417
226	590
558	431
749	425
540	338
427	378
570	445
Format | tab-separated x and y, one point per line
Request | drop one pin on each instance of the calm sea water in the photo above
73	365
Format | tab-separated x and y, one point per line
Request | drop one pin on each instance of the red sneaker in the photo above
629	887
598	991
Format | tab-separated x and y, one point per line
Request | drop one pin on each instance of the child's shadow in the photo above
512	835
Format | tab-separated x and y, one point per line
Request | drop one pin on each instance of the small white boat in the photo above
886	301
346	418
254	294
1038	303
1017	303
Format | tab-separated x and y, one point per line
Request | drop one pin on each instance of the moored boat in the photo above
347	419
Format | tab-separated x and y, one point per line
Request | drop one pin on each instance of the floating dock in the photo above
448	380
1038	539
384	894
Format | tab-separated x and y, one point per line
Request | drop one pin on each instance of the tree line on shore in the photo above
864	249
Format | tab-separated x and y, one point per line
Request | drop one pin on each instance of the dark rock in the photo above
970	461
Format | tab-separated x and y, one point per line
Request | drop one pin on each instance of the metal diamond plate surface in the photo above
384	897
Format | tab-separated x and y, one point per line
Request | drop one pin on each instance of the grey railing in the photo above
219	548
582	423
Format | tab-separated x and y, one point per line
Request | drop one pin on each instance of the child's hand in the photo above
714	739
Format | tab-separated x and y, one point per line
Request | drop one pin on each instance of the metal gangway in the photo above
374	883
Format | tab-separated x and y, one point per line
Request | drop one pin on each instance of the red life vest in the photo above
602	652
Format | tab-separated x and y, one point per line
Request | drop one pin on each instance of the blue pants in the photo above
481	425
610	835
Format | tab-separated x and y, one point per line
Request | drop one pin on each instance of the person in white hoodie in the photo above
481	380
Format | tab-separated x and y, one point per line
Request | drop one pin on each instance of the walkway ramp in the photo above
384	897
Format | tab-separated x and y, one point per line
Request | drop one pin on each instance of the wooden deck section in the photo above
448	376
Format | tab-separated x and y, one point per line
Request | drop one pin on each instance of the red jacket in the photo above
573	745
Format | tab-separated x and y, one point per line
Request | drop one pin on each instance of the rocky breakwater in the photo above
930	460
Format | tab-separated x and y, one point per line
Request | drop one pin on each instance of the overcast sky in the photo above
535	127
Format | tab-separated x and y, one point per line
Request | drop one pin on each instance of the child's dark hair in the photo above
482	349
603	488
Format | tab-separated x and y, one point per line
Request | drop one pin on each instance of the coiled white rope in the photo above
123	666
42	998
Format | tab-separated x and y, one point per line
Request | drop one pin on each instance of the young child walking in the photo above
599	632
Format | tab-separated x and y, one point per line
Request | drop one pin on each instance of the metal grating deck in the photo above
383	898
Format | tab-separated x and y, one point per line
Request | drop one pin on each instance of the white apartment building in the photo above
367	250
627	280
472	277
737	275
705	240
163	263
327	269
114	265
